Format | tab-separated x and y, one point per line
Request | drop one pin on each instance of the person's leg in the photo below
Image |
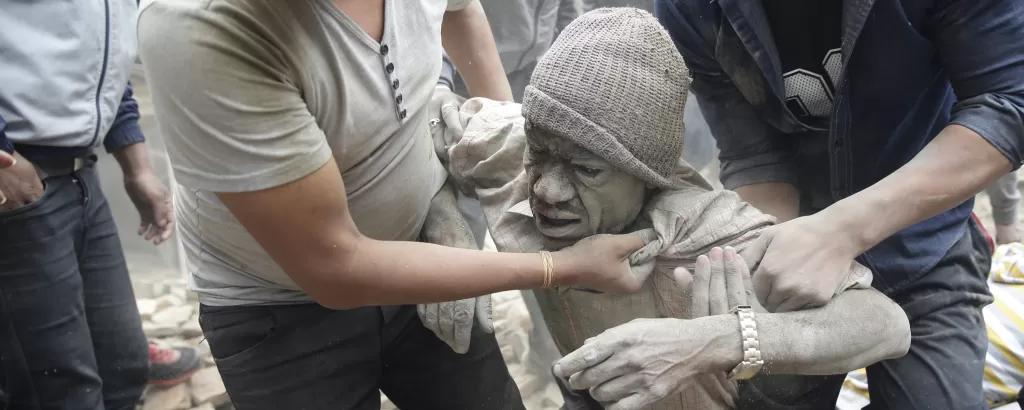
296	356
421	372
121	349
944	367
1004	196
47	352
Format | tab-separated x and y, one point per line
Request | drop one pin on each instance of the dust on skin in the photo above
574	193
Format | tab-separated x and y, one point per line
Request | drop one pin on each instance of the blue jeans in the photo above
70	333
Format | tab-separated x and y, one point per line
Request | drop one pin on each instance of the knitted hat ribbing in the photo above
614	83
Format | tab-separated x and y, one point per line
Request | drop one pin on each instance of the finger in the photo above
446	320
432	318
600	373
718	304
776	297
684	280
735	290
167	231
421	311
631	242
762	284
616	389
581	359
754	252
635	401
483	313
7	160
463	328
701	285
684	285
143	226
748	286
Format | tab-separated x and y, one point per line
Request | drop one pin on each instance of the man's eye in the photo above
587	171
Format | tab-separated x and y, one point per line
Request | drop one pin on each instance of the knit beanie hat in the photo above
614	83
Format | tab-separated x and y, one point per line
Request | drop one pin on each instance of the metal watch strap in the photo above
752	362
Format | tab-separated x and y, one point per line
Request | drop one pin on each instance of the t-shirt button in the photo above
402	114
398	100
384	49
390	68
394	84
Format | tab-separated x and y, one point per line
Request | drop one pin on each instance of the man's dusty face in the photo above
574	193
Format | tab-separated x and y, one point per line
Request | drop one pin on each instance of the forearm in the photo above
133	160
955	166
777	199
467	38
856	329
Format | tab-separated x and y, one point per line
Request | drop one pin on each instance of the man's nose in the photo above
553	186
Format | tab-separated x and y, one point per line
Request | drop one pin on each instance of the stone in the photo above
147	307
156	331
207	387
166	301
191	328
174	315
172	398
158	289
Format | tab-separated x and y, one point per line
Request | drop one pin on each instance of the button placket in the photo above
389	70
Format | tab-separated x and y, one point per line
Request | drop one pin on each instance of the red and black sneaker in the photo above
170	366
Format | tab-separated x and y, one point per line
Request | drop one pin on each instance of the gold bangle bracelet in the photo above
549	269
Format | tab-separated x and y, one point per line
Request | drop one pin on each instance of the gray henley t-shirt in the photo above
253	94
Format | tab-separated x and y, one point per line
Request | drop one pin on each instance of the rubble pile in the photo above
172	320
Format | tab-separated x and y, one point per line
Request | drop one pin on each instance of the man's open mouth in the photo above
559	225
557	222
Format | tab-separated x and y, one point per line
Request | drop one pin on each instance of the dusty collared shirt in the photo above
487	162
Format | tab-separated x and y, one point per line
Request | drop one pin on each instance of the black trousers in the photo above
943	369
70	333
311	357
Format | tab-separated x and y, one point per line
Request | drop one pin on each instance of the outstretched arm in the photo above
647	359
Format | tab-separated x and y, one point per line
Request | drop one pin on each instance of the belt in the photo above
58	167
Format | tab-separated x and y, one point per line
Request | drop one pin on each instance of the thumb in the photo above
755	251
632	242
684	280
7	160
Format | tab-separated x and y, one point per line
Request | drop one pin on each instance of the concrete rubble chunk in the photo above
147	307
207	387
172	398
156	331
166	301
174	315
191	328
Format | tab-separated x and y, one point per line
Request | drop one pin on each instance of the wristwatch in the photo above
752	362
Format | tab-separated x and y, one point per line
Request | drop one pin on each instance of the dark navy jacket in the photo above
911	67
